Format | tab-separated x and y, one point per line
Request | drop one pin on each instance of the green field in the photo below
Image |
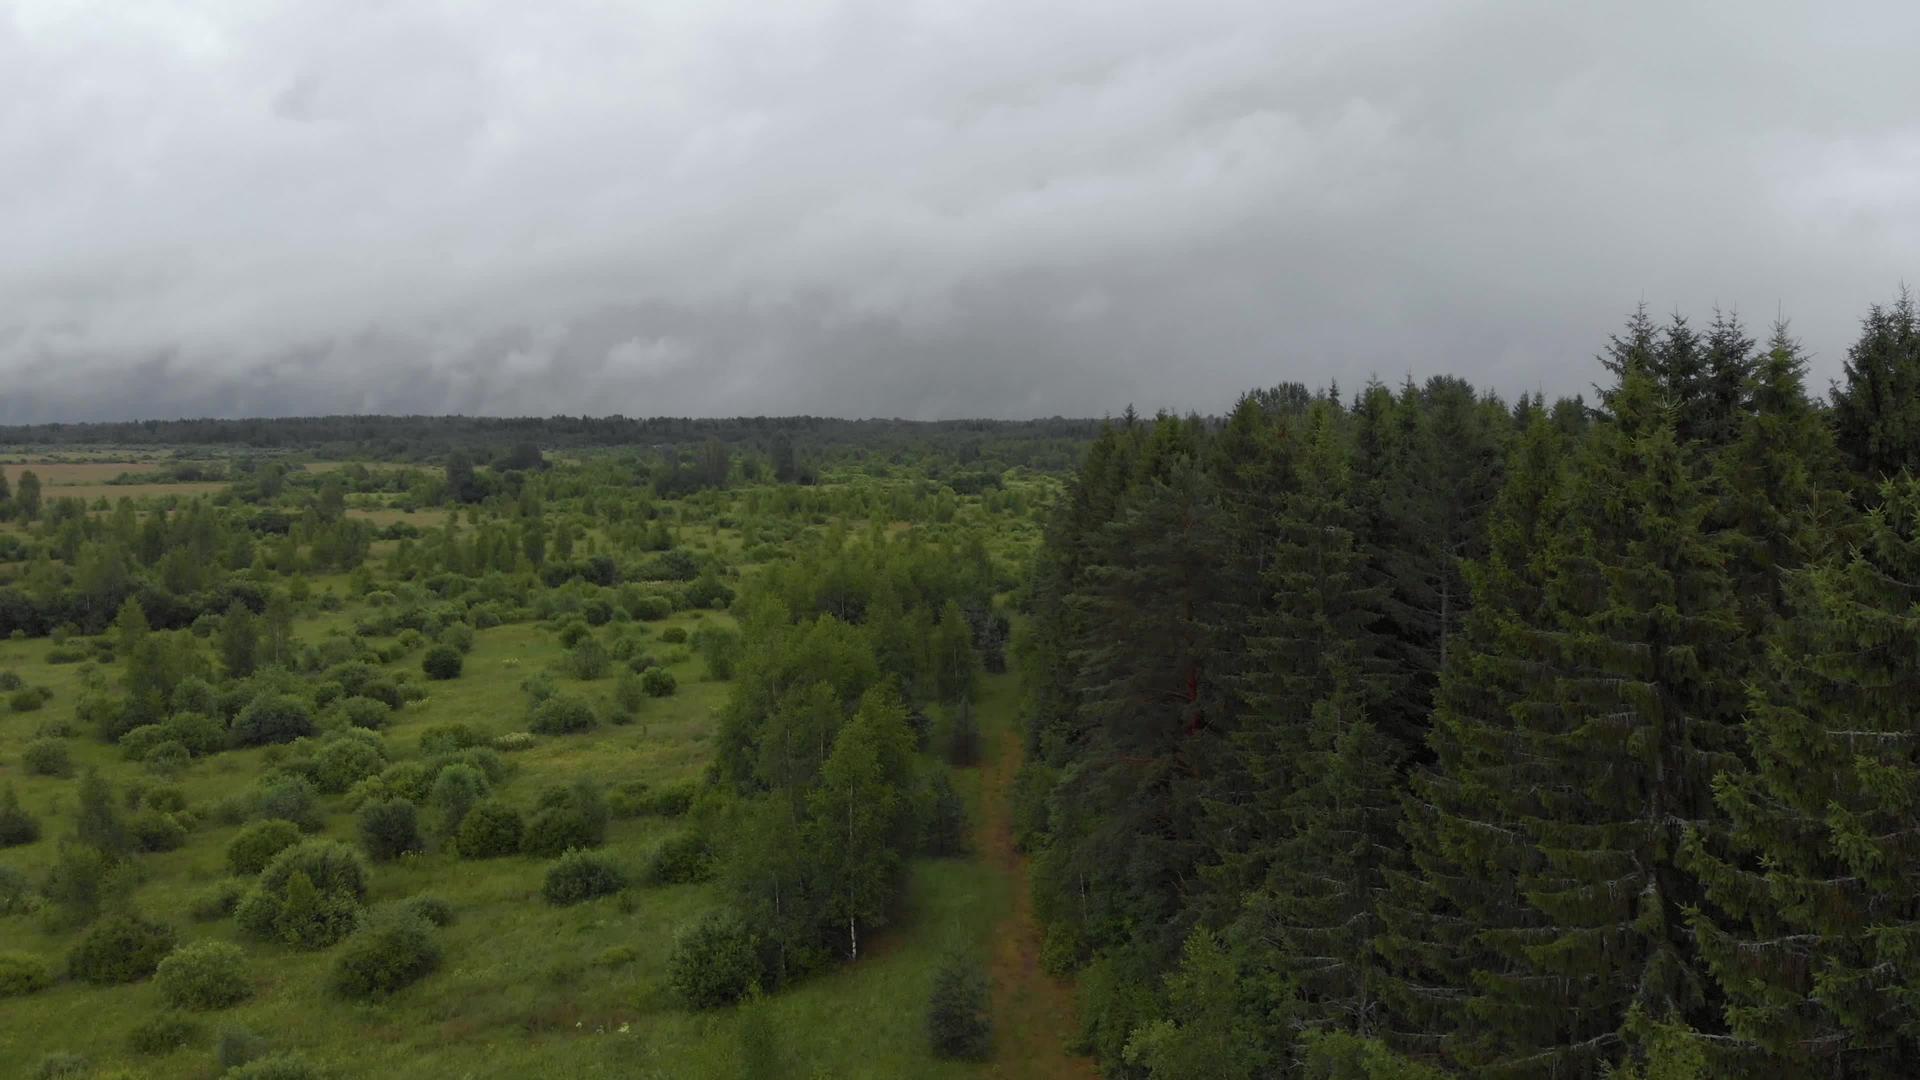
522	988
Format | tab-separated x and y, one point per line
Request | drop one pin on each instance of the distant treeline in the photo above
1040	444
1418	734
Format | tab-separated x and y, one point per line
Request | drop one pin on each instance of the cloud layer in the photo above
913	207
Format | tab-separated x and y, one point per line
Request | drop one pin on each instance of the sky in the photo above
920	208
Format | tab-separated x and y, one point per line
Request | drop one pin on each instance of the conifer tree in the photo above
1816	910
1876	411
1461	824
1631	714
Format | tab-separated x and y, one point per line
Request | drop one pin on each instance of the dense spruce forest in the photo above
1417	734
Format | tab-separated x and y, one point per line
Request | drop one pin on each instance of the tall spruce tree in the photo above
1815	926
1876	411
1631	714
1462	823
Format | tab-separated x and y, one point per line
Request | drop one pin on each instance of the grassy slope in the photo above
528	990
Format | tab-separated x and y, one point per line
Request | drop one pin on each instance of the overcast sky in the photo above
920	209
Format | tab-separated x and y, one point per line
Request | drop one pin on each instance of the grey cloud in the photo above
915	208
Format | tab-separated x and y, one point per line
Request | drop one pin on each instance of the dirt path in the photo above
1033	1013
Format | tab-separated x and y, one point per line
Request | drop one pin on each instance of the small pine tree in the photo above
958	1025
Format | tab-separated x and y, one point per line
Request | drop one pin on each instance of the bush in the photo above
200	733
163	1034
958	1024
562	715
442	662
30	698
276	1067
204	975
120	948
153	830
448	739
217	902
11	681
649	607
60	1064
456	791
254	847
490	829
628	694
554	829
715	961
364	712
390	829
21	973
581	875
46	757
720	648
672	801
345	760
658	682
587	660
289	798
392	951
237	1046
16	825
458	635
681	860
431	908
943	818
674	635
272	718
310	895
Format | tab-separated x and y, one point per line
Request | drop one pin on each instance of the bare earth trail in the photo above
1033	1013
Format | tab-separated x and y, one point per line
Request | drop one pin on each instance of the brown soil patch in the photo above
1033	1013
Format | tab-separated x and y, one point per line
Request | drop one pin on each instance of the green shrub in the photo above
449	738
364	712
60	1064
673	800
458	635
288	798
291	1066
649	607
166	759
163	1034
135	744
674	635
254	847
628	694
346	760
28	699
554	829
442	662
310	895
456	791
959	1026
120	948
681	860
587	660
218	901
21	973
46	757
581	875
431	908
658	682
153	830
16	825
392	951
272	718
200	733
489	830
390	829
561	715
204	975
11	681
715	961
237	1046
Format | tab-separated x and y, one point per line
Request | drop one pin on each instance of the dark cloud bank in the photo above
917	209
